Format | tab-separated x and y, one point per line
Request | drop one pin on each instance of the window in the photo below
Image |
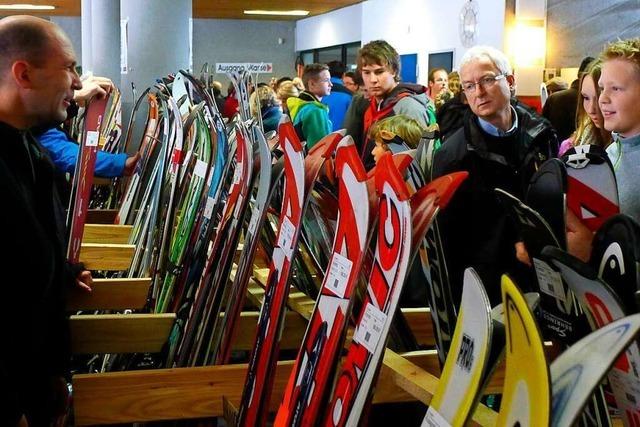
346	53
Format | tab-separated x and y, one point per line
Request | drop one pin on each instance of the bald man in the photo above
37	83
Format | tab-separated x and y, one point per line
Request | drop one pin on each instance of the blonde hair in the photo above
586	132
628	50
403	126
287	90
266	96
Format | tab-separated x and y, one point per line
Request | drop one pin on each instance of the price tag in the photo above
549	280
253	223
208	208
434	419
285	238
93	137
370	328
338	275
237	174
200	168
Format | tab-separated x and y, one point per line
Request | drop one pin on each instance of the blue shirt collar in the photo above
494	131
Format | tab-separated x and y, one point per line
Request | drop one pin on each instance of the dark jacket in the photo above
35	340
560	110
450	116
408	99
271	117
475	229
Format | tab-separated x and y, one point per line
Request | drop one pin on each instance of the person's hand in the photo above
93	86
522	254
579	237
84	280
61	401
130	164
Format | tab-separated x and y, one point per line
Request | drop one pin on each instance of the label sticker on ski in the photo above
200	169
92	138
237	174
285	239
339	274
208	208
253	224
370	328
434	419
550	280
620	381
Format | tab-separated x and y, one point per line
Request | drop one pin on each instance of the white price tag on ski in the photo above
434	419
93	137
253	224
370	328
626	387
285	238
237	174
208	207
338	275
200	168
549	280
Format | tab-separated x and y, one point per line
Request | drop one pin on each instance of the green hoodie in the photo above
310	118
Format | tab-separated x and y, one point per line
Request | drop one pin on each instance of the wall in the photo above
411	26
232	40
72	26
579	28
337	27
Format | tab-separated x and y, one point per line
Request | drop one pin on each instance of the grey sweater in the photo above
625	156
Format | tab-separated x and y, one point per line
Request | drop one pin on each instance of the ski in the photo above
578	371
526	397
322	343
353	390
83	176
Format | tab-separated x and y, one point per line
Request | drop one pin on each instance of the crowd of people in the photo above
484	129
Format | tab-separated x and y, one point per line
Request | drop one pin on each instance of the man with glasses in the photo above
501	145
310	117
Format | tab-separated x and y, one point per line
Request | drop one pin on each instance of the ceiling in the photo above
227	9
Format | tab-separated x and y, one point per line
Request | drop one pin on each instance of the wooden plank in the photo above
295	327
120	333
106	256
166	394
110	294
419	320
106	233
422	384
101	216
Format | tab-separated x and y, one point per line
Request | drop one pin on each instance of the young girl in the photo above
589	122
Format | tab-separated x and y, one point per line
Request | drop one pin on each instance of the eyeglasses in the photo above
485	82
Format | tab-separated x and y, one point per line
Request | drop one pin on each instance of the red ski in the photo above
83	176
322	344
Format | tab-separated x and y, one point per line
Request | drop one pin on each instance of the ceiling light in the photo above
24	6
277	12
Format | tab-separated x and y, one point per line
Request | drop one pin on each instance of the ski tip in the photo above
446	186
347	153
286	131
284	119
386	171
326	146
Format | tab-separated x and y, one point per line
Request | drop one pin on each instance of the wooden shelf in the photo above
110	294
106	233
120	333
102	256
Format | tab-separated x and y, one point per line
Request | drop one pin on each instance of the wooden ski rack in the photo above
186	393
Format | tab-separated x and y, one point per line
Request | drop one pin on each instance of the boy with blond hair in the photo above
620	92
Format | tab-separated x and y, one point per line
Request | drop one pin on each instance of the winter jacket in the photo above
270	118
35	276
64	154
475	229
310	118
408	99
338	102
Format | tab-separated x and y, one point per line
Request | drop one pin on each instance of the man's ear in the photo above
21	73
511	80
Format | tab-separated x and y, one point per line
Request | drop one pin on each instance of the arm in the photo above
315	125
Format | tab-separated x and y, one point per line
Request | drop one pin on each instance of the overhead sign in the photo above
252	67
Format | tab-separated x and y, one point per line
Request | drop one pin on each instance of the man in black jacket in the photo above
501	144
37	84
